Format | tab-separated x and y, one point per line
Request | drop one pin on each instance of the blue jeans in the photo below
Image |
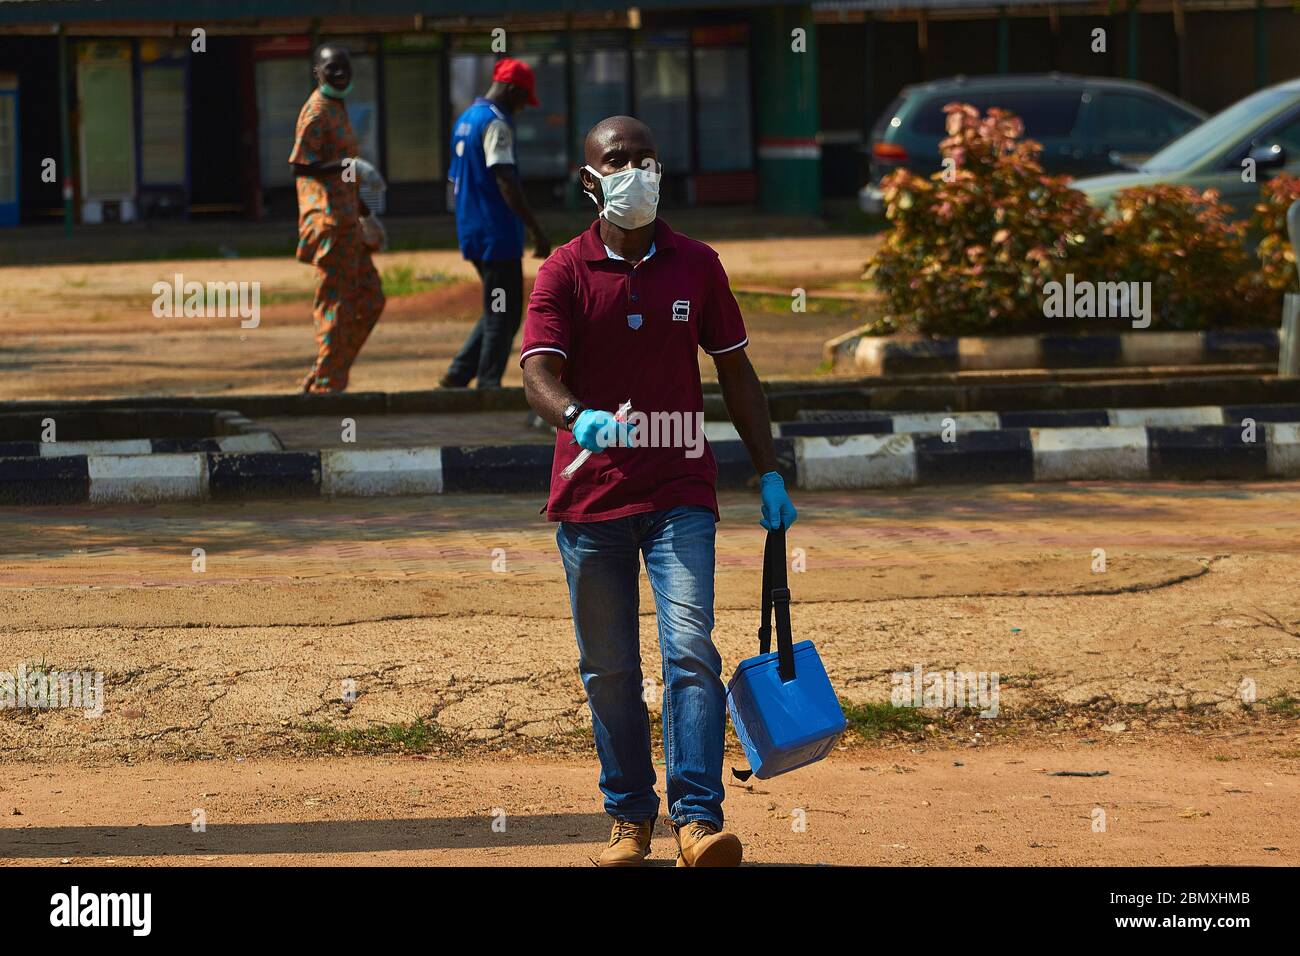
487	349
600	561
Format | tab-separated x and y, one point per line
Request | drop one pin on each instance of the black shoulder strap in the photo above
776	596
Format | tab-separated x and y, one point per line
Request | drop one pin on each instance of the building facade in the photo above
155	115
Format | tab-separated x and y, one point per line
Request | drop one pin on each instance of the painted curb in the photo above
1123	452
831	422
902	396
249	442
106	420
458	400
858	353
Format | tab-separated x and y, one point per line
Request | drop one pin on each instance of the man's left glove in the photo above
778	509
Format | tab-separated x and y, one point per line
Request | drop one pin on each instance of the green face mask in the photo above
335	93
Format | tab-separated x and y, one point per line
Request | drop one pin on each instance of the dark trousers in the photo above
486	351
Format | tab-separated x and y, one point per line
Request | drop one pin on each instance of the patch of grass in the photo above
872	720
403	280
779	304
416	736
280	296
1285	706
397	280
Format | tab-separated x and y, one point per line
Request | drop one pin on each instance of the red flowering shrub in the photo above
972	246
1182	243
1276	274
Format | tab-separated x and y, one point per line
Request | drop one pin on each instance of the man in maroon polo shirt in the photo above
617	315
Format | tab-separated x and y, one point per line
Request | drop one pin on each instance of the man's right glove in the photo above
596	430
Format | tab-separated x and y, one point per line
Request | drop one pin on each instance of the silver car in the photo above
1234	151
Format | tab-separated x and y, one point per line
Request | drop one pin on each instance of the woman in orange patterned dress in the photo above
349	297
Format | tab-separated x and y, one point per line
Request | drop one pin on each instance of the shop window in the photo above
723	109
162	124
104	92
283	85
600	90
663	102
8	147
363	106
412	95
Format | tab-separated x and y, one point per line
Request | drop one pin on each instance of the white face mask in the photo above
631	195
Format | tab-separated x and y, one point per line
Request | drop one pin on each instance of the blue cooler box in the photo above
784	725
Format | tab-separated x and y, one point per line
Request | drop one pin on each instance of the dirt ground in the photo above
229	682
1163	804
88	331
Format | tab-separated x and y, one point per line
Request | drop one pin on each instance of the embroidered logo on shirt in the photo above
682	310
634	320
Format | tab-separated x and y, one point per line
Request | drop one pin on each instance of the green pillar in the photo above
1132	72
785	70
1004	41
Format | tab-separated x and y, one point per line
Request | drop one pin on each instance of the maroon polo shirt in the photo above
632	332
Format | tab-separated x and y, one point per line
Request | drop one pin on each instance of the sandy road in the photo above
215	680
1163	804
88	331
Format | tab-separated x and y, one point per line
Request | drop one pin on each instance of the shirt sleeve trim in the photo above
739	345
542	348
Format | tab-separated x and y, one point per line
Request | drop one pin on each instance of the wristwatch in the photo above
571	413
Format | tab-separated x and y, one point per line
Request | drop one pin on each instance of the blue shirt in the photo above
488	230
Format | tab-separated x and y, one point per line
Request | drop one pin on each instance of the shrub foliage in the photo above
974	244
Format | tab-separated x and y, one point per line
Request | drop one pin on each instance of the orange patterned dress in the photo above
349	297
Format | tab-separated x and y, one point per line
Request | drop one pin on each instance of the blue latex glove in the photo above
778	509
596	430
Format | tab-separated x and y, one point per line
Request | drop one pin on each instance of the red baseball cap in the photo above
517	73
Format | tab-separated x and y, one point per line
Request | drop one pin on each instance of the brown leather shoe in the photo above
629	843
700	843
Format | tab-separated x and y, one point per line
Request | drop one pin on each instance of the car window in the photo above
1046	114
1220	132
1135	117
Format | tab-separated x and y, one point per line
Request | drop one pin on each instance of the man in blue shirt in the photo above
491	215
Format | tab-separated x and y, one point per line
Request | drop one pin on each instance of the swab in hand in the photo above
619	416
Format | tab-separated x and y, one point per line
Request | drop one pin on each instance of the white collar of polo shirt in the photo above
614	255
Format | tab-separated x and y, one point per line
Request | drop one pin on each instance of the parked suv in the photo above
1087	124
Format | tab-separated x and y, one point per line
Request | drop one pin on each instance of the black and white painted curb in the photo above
1131	452
859	353
890	460
831	422
250	442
